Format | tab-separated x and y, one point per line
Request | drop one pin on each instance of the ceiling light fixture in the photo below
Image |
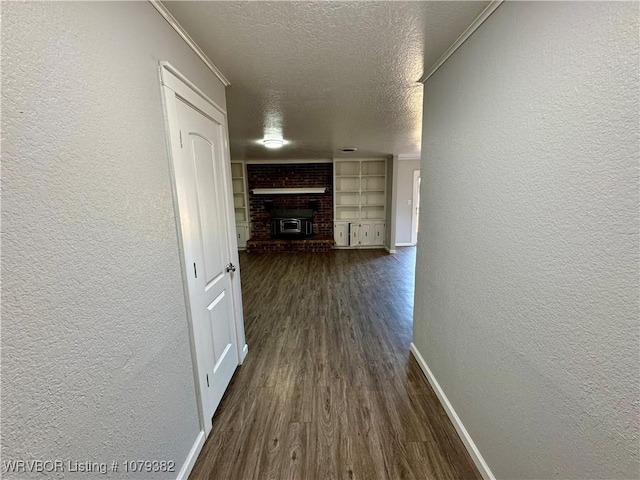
273	143
349	149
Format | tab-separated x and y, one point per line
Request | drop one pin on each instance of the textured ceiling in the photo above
324	75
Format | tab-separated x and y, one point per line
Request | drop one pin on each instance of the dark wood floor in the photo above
329	388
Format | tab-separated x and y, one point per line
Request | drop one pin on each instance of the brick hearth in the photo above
315	244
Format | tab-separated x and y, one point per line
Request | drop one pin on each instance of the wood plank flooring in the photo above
329	389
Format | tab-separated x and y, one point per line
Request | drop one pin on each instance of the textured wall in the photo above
404	193
96	362
527	269
290	176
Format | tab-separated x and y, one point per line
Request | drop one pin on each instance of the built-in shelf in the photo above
240	203
359	202
288	191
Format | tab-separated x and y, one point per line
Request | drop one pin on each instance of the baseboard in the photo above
188	464
405	244
453	416
245	350
390	250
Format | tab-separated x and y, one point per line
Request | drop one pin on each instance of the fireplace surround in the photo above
314	210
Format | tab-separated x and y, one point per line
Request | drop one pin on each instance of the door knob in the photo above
231	267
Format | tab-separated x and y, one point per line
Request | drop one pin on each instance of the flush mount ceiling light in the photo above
273	143
349	149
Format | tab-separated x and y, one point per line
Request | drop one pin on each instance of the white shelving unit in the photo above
240	202
359	202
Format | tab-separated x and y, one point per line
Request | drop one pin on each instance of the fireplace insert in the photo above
291	223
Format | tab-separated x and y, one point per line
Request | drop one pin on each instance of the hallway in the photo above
329	388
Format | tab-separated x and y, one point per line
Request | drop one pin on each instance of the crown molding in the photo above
162	10
359	159
283	161
408	157
480	19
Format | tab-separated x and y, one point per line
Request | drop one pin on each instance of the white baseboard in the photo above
245	350
405	244
390	250
453	416
188	464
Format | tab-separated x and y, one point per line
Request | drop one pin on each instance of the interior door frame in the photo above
173	84
415	204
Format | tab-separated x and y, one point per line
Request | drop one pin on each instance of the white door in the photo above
201	188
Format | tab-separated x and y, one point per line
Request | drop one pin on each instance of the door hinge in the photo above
195	271
207	380
181	139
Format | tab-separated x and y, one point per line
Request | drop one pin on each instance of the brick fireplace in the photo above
303	175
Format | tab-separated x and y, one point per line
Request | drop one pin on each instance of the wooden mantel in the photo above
288	191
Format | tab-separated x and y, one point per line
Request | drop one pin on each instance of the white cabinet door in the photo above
354	235
365	233
379	229
340	234
242	232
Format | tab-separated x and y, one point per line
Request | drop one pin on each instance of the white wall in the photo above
526	305
95	354
404	194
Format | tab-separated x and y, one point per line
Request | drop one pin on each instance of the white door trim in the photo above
415	204
176	81
173	84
